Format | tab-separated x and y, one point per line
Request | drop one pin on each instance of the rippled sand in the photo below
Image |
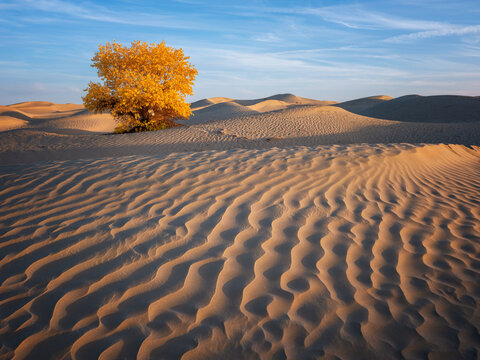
352	252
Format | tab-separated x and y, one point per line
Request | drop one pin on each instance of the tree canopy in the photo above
143	85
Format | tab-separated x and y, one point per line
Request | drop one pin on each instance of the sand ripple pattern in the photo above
351	252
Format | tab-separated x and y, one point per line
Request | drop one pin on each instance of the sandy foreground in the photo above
262	229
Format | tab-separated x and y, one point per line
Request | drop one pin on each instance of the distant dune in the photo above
200	104
47	131
416	108
10	111
48	117
273	228
218	108
358	106
275	111
285	98
11	118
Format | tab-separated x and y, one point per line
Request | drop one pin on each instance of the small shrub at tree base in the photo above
143	86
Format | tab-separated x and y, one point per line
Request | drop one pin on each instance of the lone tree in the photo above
144	85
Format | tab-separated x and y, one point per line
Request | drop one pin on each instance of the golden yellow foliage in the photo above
144	85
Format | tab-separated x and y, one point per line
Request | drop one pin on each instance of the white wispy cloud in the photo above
293	64
334	52
14	64
267	37
447	30
94	12
357	17
354	16
471	51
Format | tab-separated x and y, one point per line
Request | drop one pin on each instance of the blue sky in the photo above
328	50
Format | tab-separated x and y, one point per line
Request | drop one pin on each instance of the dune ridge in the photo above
359	106
220	108
355	251
200	104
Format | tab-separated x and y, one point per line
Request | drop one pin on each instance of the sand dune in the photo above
358	251
358	106
14	113
272	228
285	98
220	126
200	104
41	109
433	109
48	117
33	104
308	126
220	108
11	118
269	105
11	122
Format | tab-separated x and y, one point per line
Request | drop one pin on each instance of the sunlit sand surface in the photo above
269	232
42	116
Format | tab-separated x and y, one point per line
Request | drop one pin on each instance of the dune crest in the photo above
40	109
355	251
220	108
200	104
269	105
360	105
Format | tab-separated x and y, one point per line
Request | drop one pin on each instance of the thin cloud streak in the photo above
359	18
267	37
291	64
354	17
94	12
446	31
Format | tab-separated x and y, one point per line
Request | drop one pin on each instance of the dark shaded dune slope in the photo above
8	111
432	109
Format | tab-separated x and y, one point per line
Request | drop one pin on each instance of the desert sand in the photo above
274	228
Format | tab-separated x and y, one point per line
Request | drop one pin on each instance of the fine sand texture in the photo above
350	252
277	228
